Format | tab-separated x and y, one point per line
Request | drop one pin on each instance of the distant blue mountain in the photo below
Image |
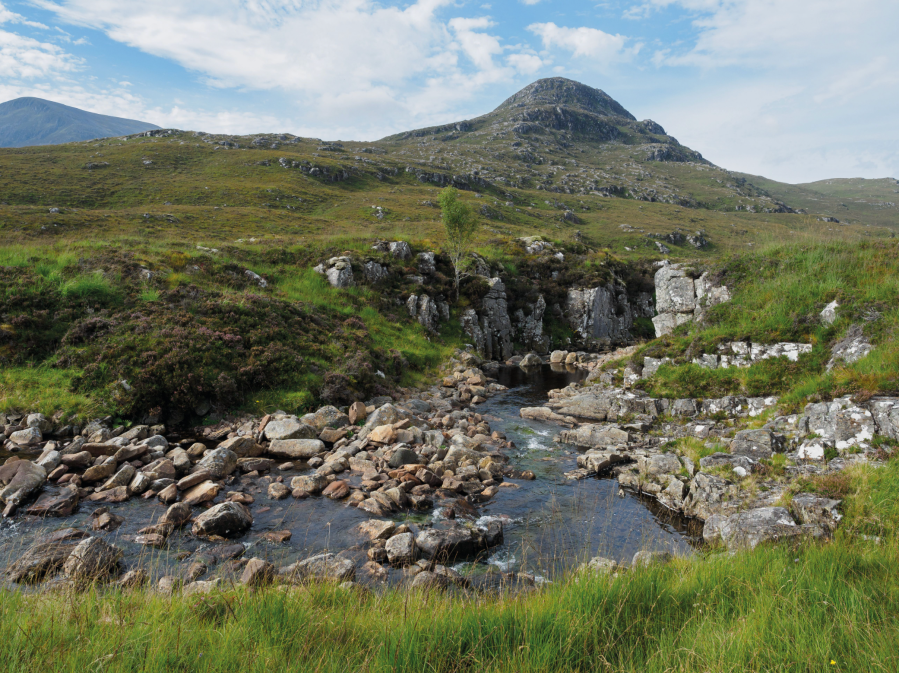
35	121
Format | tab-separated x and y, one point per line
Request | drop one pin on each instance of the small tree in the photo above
460	225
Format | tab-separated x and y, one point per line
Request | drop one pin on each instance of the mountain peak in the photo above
568	93
35	121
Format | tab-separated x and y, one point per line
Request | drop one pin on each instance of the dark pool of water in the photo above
550	523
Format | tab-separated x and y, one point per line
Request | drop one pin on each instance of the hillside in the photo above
849	200
34	121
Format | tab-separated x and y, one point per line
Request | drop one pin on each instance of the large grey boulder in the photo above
326	417
289	428
401	549
26	437
885	412
746	530
709	495
92	559
374	272
321	568
228	519
658	464
218	462
338	271
400	250
41	559
756	444
680	299
40	422
816	510
592	436
20	480
447	544
295	449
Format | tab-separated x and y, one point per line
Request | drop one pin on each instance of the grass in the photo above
816	607
778	294
43	389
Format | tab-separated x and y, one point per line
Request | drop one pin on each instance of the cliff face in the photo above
604	316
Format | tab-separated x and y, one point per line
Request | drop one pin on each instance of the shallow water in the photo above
549	524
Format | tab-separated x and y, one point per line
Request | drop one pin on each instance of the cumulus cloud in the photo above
585	42
389	56
26	57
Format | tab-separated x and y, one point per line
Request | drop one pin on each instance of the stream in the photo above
550	524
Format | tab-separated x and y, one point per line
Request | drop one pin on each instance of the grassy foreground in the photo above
821	607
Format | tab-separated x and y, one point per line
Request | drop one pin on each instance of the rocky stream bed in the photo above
504	473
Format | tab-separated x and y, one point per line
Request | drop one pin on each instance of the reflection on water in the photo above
550	523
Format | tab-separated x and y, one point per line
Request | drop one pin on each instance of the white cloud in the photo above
392	58
25	57
525	63
6	16
530	2
585	42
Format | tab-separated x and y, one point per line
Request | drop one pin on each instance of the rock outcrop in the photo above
680	298
604	316
490	329
338	270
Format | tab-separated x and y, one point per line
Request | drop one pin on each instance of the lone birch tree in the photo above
460	225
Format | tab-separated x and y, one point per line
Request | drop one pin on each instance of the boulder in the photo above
530	360
289	428
20	480
401	549
599	566
228	519
746	530
177	515
295	449
310	483
257	572
243	447
219	463
644	559
658	464
322	568
203	492
756	444
710	495
447	544
92	559
121	478
403	456
41	559
63	503
430	581
26	437
377	530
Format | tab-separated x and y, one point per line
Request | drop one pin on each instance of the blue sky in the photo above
796	90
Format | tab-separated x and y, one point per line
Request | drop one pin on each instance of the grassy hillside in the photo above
851	201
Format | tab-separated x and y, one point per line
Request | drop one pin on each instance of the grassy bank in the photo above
820	607
778	295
